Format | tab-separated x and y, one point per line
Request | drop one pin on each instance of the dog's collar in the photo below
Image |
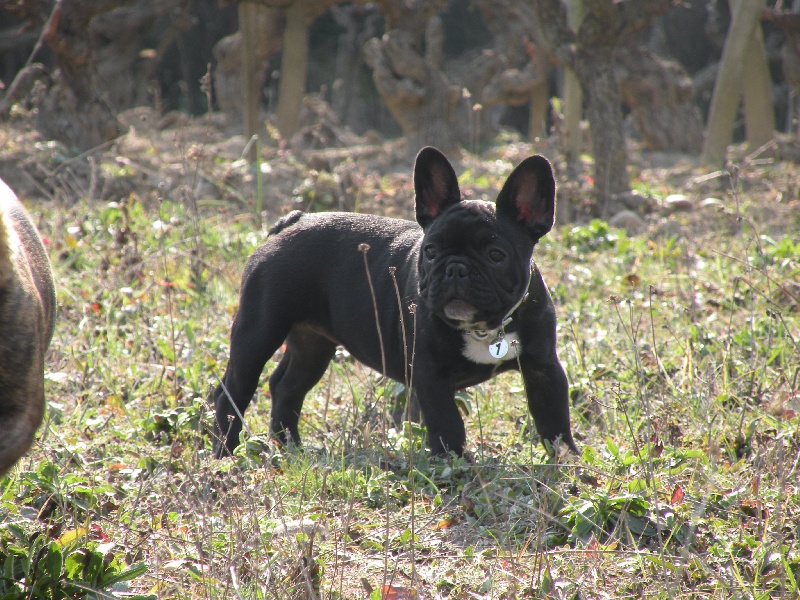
482	334
498	333
495	339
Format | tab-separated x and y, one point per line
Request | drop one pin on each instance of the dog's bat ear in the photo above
529	196
435	185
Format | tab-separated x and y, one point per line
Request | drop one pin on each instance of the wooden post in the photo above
294	66
248	25
573	94
573	112
728	87
759	114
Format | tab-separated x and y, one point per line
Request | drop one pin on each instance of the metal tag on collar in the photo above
498	348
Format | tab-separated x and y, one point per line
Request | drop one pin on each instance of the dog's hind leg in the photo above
254	340
304	363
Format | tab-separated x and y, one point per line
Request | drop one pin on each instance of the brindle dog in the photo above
27	318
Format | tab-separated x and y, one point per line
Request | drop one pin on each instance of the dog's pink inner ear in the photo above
435	185
432	203
533	206
528	196
438	194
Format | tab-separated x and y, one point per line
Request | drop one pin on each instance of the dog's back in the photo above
27	318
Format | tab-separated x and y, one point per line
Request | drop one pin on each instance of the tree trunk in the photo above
604	109
358	24
75	110
294	66
609	27
539	108
661	98
258	25
418	95
405	69
728	88
251	79
265	28
573	94
94	46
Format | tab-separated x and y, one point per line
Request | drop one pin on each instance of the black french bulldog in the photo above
471	305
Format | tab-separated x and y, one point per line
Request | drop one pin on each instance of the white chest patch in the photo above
481	351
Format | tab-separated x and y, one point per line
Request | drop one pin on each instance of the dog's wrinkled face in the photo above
473	268
475	258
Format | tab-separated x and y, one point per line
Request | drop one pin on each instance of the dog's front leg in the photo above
547	390
445	426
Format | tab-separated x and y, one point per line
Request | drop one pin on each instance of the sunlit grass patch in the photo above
682	348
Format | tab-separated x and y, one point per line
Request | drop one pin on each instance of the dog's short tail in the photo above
285	221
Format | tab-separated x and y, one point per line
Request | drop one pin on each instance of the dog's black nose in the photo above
456	270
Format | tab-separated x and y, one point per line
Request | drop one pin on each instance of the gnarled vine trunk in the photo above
608	28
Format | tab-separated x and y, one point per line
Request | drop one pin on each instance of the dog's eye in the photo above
496	255
430	252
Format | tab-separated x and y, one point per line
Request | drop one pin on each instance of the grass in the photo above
683	352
